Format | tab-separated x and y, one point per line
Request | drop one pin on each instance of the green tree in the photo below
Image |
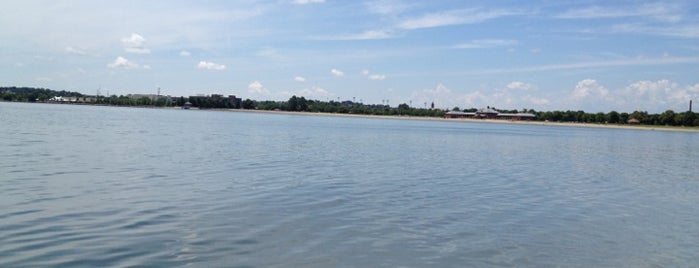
613	117
248	104
623	118
667	118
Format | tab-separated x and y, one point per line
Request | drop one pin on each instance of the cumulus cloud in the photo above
658	93
309	93
300	79
207	65
589	87
185	53
538	101
377	77
651	88
76	51
135	44
255	87
518	85
337	72
644	95
305	2
441	95
371	76
510	96
122	63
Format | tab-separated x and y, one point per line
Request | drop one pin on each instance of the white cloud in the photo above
674	30
255	87
636	61
645	95
366	35
377	77
185	53
300	79
76	51
442	96
694	88
487	43
371	76
135	44
454	17
656	92
314	93
538	101
658	11
508	97
211	66
518	85
304	2
122	63
656	96
589	87
337	73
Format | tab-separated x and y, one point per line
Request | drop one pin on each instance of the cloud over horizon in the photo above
207	65
337	73
122	63
135	44
503	54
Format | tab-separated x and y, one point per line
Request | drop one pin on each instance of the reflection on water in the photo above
105	186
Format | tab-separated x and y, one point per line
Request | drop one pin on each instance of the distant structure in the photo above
489	113
217	101
690	105
633	121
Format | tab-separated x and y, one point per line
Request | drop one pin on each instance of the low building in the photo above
489	113
216	101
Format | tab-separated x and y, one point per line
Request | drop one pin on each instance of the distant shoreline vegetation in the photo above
301	104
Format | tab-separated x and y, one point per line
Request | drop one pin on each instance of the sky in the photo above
595	56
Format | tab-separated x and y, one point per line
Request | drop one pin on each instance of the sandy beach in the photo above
491	121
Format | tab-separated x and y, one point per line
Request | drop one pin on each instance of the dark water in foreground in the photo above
100	186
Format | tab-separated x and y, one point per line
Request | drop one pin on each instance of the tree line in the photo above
30	94
301	104
669	117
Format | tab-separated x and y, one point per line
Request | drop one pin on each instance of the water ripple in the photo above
165	188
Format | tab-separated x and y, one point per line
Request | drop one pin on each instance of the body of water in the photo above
104	186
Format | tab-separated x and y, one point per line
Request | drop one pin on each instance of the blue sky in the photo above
545	55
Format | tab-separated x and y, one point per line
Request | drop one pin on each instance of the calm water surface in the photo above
104	186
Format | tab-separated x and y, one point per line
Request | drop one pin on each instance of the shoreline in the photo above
441	119
488	121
